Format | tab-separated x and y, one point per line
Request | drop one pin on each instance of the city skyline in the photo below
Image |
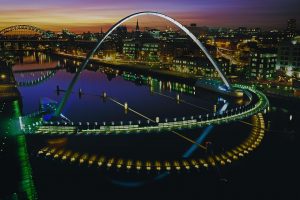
91	15
149	99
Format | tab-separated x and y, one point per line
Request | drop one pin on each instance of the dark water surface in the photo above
270	172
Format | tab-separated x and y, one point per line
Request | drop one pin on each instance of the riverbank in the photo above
135	67
162	73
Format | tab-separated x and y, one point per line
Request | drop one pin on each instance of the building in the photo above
212	50
155	33
66	34
225	66
198	31
141	49
169	35
186	64
143	46
289	58
242	30
137	32
262	63
149	52
119	35
296	86
194	65
291	28
271	39
177	47
131	49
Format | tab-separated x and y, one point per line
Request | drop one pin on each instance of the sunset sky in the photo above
89	15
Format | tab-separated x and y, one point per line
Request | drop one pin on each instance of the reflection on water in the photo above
27	183
10	127
276	158
86	105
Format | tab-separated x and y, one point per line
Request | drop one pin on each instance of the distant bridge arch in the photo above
89	56
23	27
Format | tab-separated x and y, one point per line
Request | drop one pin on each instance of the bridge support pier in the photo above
57	89
177	98
215	108
157	119
104	96
80	93
126	107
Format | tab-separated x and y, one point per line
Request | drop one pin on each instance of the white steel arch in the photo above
83	65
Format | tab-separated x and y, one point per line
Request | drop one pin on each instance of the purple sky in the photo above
84	15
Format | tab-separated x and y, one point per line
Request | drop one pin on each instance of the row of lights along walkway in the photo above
70	128
252	142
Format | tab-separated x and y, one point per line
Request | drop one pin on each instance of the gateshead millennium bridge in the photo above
49	120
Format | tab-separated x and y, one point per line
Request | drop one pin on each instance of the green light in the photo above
27	184
14	129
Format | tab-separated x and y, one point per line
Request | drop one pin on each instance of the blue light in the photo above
223	88
199	140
